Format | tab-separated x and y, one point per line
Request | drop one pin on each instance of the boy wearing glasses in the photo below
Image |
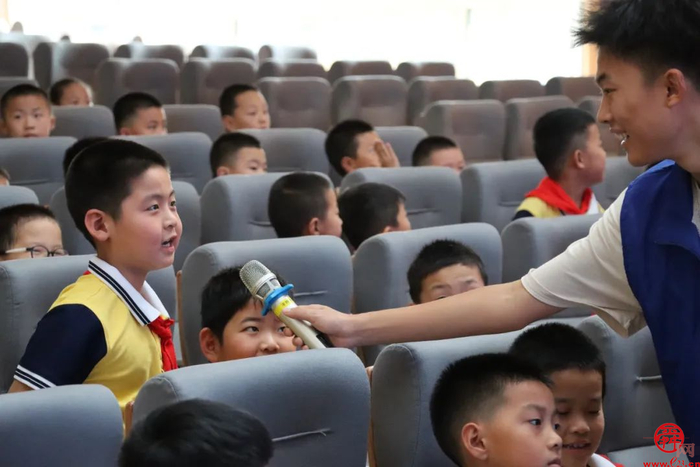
29	231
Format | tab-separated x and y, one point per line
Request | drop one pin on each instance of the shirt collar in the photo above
145	306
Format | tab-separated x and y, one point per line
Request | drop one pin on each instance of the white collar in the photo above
145	306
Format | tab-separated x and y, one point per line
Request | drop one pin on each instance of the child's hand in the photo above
387	156
128	417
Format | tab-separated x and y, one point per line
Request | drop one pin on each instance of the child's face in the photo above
578	396
366	155
594	157
522	432
248	161
449	281
28	117
75	94
249	334
42	232
251	112
150	121
332	224
450	157
148	230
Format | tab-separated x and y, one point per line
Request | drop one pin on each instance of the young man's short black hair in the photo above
12	216
197	432
654	35
126	107
557	134
223	297
557	347
367	209
341	142
100	177
226	147
5	174
473	389
57	88
21	90
295	199
78	146
227	101
438	255
426	147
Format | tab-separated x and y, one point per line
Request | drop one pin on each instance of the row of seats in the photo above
80	426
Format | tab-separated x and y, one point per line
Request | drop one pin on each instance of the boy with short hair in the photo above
109	327
574	365
29	231
71	91
495	410
197	432
4	177
444	268
353	144
568	145
438	151
77	147
25	111
304	203
370	209
237	153
243	106
233	326
138	113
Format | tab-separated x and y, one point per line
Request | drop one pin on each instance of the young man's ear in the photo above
348	164
209	345
473	442
676	86
98	224
229	123
222	170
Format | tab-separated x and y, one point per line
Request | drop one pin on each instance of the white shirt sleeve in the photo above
591	273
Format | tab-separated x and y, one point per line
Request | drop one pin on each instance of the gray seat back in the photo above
298	102
15	60
426	90
202	80
200	118
217	52
293	149
115	77
411	70
510	89
54	61
12	195
403	139
285	53
378	100
345	68
140	51
7	83
573	88
83	122
273	68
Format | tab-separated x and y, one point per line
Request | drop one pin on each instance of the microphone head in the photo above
258	279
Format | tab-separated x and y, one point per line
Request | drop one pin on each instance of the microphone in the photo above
264	286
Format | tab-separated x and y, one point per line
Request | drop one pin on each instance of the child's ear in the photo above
578	159
124	131
209	345
312	227
97	224
229	123
348	164
388	229
473	441
222	170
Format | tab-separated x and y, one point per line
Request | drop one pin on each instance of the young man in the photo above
639	265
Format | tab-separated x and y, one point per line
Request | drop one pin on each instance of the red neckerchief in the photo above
161	328
553	194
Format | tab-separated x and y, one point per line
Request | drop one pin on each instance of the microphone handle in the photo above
311	337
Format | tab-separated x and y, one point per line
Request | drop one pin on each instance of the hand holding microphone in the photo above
263	284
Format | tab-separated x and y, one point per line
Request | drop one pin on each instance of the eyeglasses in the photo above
38	251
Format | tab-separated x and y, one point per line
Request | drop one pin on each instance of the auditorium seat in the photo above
15	60
29	41
403	139
12	195
35	163
611	143
381	263
378	100
189	210
507	90
293	149
492	191
54	61
298	102
200	118
140	51
218	52
73	241
521	116
274	68
345	68
403	380
478	127
69	426
83	122
202	81
23	302
327	390
186	153
285	53
426	90
619	173
411	70
573	88
115	77
7	83
327	282
433	194
636	403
